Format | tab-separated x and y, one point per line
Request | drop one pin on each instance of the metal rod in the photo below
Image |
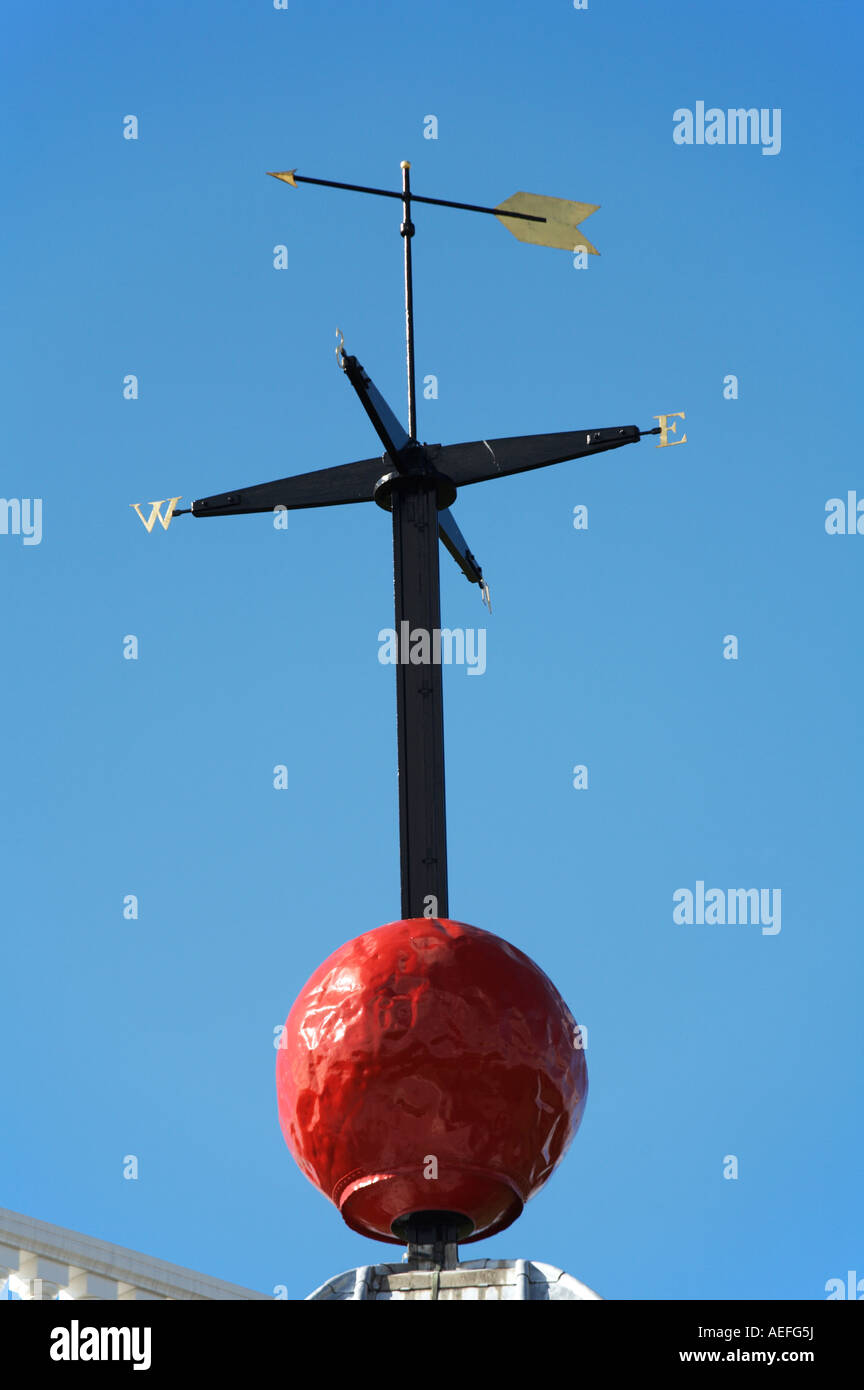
407	230
436	202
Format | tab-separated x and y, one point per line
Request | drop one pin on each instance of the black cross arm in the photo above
385	424
463	463
496	458
455	542
327	487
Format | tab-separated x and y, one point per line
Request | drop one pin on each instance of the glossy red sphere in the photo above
429	1066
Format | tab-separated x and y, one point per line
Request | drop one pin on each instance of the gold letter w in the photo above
156	512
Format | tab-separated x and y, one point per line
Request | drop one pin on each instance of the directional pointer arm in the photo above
327	487
455	542
384	422
496	458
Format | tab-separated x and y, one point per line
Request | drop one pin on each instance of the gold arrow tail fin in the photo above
561	225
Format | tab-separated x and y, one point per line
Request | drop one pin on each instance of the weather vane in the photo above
430	1076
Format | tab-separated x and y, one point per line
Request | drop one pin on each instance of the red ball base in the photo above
429	1066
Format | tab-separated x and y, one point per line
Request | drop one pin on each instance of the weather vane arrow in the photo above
529	216
418	484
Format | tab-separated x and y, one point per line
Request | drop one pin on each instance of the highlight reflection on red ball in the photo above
429	1066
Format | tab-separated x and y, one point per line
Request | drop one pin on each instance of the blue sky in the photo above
258	647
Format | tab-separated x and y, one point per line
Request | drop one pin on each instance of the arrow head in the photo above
287	176
561	227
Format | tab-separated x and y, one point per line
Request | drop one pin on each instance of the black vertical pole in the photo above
419	686
407	230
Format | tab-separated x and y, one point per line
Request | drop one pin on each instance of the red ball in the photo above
429	1066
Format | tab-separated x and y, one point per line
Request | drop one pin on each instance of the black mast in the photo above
420	688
